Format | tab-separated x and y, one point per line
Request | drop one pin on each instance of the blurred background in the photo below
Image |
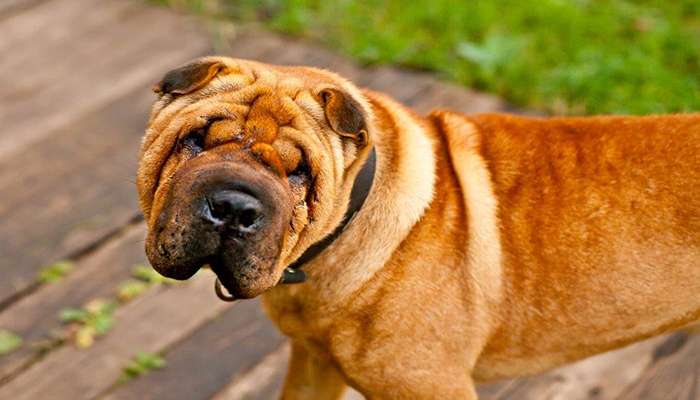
82	315
557	56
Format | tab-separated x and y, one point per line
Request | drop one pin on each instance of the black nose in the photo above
233	210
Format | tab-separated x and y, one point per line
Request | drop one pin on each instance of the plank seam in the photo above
13	10
75	256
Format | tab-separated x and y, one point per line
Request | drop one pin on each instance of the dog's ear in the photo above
345	115
188	78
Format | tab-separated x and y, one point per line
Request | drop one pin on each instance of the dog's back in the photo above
600	231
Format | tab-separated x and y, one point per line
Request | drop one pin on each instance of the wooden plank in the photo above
66	77
262	382
490	391
35	317
70	192
457	98
675	376
9	7
604	376
403	85
39	23
151	323
224	349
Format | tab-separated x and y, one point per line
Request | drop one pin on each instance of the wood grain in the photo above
9	7
72	59
152	323
262	382
222	350
673	377
604	376
65	195
69	187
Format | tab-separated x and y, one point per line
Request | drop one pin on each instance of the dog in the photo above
437	251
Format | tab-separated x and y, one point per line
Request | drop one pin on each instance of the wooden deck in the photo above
74	93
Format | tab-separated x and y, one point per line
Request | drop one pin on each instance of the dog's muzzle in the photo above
226	214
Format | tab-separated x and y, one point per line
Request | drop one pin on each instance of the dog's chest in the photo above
297	316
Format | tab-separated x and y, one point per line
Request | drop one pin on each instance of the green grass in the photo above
558	56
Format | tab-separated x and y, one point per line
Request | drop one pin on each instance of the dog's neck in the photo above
360	190
402	190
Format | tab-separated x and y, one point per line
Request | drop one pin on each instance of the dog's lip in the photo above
222	272
221	289
223	293
169	269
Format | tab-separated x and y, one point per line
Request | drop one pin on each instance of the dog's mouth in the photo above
245	266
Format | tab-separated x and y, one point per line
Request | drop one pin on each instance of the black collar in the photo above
360	191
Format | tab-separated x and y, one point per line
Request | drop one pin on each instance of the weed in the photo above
9	341
55	272
93	320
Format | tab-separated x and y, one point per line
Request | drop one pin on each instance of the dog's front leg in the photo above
310	377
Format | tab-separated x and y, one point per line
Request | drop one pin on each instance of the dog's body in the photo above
545	241
493	246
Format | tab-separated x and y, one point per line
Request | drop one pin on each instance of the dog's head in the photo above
245	165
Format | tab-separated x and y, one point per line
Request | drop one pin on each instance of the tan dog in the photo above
490	246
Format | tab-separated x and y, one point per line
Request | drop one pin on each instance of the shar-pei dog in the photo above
429	252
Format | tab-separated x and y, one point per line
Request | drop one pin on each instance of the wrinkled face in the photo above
245	165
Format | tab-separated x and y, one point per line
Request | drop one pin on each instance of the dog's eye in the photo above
301	174
193	143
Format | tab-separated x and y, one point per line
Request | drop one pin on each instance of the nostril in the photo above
233	209
248	217
219	209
